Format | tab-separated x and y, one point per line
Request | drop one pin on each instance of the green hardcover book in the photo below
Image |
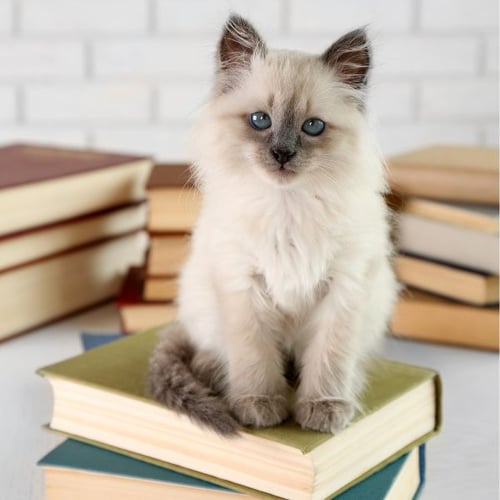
80	471
99	396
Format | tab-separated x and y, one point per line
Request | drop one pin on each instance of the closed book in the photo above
30	245
79	471
173	199
41	185
449	281
136	313
53	287
450	243
467	215
160	289
167	254
423	316
100	396
447	172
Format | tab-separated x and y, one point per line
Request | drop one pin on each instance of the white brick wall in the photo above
7	104
130	74
152	59
178	102
464	99
22	59
195	17
84	17
492	55
327	16
6	16
469	15
89	103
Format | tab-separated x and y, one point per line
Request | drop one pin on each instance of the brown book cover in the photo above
42	185
469	215
160	288
443	279
26	164
423	316
445	172
167	254
136	313
167	176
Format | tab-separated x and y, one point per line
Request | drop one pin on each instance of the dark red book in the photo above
170	175
41	185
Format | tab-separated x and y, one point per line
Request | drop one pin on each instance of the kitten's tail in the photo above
171	381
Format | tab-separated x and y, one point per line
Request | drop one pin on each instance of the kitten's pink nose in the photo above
282	156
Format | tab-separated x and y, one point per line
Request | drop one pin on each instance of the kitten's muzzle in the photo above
282	155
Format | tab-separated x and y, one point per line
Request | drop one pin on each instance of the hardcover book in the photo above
99	396
423	316
28	246
450	243
136	313
167	254
160	289
53	287
81	471
457	173
55	184
174	201
449	281
467	215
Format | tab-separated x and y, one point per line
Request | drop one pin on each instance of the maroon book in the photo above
42	185
26	164
131	292
168	176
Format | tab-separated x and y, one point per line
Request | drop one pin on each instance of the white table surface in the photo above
462	460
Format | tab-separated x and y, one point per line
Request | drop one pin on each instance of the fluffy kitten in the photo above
290	255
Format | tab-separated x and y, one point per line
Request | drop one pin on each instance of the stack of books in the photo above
71	224
147	298
448	245
126	446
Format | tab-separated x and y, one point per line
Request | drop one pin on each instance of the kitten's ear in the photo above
350	57
239	41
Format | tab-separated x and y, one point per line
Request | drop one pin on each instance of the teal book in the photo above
79	471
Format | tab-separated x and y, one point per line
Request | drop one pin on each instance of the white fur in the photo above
302	264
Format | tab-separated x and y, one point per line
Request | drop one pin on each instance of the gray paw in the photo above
324	415
260	411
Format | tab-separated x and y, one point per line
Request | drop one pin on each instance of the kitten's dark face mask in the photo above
286	134
284	140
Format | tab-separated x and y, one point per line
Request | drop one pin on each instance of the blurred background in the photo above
128	75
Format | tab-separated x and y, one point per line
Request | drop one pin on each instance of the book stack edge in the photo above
448	233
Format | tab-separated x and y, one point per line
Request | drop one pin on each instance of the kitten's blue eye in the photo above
313	126
260	120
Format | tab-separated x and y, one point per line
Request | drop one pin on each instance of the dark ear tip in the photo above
350	55
359	35
235	20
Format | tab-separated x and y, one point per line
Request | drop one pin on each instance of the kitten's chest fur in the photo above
293	247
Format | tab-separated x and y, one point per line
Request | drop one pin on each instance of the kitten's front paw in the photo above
260	411
324	415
